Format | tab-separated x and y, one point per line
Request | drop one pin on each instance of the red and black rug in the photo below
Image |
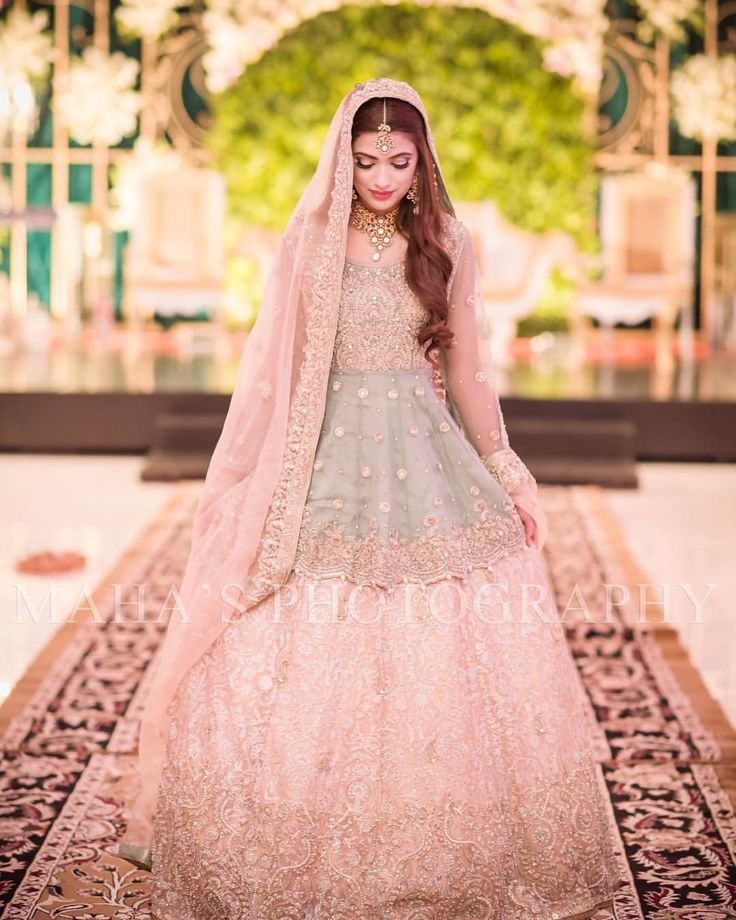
69	733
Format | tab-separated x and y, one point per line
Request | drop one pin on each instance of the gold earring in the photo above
413	194
355	195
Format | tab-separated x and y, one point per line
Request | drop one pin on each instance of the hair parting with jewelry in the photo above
420	217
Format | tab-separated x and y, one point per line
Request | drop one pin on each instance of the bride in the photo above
364	706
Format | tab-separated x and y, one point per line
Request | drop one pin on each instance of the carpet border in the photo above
667	638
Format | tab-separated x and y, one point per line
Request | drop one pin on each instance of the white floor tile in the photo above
96	505
681	527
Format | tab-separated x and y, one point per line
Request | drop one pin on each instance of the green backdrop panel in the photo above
505	127
80	183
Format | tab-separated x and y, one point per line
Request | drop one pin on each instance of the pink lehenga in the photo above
391	727
386	736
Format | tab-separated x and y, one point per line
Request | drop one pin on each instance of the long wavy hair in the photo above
428	266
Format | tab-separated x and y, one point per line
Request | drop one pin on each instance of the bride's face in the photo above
382	179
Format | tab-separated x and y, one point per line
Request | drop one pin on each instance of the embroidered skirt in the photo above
398	733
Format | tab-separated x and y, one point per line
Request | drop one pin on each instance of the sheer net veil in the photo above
247	519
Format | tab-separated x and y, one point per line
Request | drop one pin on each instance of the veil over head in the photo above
247	520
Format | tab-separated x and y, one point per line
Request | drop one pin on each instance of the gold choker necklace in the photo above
379	227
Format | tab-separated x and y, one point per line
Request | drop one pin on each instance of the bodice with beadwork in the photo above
397	493
379	319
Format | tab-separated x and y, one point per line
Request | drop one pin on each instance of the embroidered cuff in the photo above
507	467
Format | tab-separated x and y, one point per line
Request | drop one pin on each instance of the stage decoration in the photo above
148	19
241	31
145	160
224	46
704	97
26	51
97	101
669	18
569	57
508	129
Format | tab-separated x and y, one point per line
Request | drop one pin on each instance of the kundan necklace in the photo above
379	227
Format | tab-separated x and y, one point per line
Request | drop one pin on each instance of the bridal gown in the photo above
399	731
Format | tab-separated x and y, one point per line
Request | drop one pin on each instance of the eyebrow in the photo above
370	156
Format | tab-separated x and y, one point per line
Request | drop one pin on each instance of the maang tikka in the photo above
384	141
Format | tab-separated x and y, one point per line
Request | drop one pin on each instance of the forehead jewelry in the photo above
384	141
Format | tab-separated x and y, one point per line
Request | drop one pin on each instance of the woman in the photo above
380	718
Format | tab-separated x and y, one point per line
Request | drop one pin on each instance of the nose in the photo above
383	177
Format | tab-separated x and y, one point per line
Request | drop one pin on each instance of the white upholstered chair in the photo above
514	265
647	232
175	258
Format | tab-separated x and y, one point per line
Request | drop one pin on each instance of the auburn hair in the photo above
428	265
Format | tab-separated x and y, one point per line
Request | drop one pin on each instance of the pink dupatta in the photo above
249	512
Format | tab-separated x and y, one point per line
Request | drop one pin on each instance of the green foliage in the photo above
244	287
504	127
550	314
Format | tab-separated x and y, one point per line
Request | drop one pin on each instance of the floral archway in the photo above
143	74
241	31
506	127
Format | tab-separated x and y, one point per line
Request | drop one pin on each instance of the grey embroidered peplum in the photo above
398	493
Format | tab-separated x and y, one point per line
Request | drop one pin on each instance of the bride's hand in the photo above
530	526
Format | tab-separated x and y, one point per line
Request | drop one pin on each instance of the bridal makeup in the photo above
381	180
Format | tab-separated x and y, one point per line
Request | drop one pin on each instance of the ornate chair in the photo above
515	266
647	229
174	261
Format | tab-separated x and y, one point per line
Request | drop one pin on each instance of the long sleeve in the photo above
471	395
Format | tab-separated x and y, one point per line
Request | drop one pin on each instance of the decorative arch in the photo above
240	32
506	127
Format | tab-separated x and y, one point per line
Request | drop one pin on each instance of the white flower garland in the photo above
98	102
668	17
147	18
703	94
26	50
239	32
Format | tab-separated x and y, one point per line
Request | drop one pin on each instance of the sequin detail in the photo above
508	468
315	771
379	319
332	550
416	511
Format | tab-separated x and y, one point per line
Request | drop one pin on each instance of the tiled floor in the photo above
94	505
681	525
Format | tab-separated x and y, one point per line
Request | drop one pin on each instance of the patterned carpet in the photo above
667	753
